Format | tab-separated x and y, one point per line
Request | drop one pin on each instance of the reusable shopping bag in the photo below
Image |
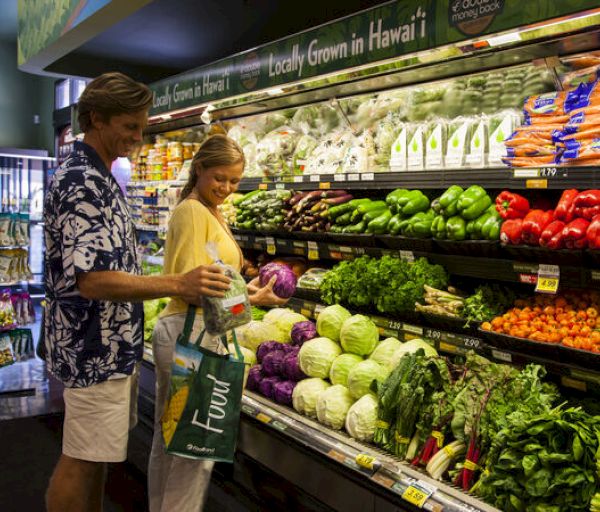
201	417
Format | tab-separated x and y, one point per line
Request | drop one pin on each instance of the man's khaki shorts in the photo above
98	419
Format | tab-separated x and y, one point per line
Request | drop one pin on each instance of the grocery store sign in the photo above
378	34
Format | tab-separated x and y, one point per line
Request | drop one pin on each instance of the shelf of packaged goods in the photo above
583	377
500	269
148	227
155	183
376	466
497	178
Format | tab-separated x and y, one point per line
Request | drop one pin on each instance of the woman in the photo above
176	483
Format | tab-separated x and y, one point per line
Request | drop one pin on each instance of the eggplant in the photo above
334	201
327	194
297	197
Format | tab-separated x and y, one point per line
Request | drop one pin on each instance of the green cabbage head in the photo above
359	335
333	405
256	332
284	319
385	350
362	375
361	418
330	321
317	355
342	364
305	395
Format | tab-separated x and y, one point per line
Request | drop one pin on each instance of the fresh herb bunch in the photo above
488	301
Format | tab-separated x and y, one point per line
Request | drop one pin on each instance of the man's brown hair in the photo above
112	94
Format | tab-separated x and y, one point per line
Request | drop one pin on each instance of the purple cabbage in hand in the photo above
303	331
285	286
291	368
266	386
282	392
255	375
272	363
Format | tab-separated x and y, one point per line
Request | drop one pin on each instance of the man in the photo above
93	327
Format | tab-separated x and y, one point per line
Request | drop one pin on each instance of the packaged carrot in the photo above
548	104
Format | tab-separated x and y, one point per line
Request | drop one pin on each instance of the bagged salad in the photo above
224	314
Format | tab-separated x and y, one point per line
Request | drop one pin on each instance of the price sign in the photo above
324	185
502	356
315	178
395	325
313	251
536	184
353	177
418	493
298	179
448	347
526	173
271	248
573	384
279	186
339	177
364	460
263	186
318	309
368	176
413	329
263	417
548	279
305	312
407	256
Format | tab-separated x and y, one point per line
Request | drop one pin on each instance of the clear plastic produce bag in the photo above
224	314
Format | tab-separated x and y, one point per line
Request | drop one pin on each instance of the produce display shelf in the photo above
557	178
582	374
378	467
502	269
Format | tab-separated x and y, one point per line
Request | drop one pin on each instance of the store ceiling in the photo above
167	37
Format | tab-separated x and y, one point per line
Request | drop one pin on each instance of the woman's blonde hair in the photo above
215	151
112	94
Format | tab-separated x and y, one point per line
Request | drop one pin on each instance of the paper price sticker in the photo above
324	185
353	177
314	178
339	177
548	279
417	494
279	186
263	186
271	248
368	176
298	179
573	383
366	461
536	184
407	256
263	417
313	251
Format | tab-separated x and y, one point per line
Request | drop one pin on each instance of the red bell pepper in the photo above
534	224
552	235
511	206
587	198
511	231
586	212
574	234
593	233
564	208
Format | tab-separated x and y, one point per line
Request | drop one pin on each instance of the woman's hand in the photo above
264	296
205	280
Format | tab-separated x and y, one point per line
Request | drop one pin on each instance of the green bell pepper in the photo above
393	197
245	197
420	225
490	230
417	202
344	220
358	228
470	196
336	211
450	196
373	214
436	205
379	225
477	225
477	208
456	228
438	227
394	224
451	210
373	205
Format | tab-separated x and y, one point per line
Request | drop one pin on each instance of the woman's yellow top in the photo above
191	226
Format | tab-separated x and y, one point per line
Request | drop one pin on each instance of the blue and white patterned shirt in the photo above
88	228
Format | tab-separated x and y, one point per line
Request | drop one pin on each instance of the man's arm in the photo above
117	286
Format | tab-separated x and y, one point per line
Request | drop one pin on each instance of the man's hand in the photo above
205	280
264	296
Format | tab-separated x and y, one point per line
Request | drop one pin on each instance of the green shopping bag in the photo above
201	417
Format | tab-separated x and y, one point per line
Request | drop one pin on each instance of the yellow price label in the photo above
573	383
365	461
271	249
536	184
305	312
263	417
448	347
263	186
416	496
313	254
325	185
547	284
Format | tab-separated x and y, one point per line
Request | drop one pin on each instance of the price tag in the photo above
573	384
418	493
368	176
263	186
447	347
528	278
271	248
414	329
526	173
383	480
536	184
339	177
279	186
548	279
263	417
407	256
298	179
502	356
345	249
315	178
305	312
318	309
353	177
366	461
395	325
434	334
595	274
313	251
324	185
334	454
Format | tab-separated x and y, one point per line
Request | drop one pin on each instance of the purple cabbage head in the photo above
266	386
285	286
272	363
255	375
265	347
303	331
282	392
291	368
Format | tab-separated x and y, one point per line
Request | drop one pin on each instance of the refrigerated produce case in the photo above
342	132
